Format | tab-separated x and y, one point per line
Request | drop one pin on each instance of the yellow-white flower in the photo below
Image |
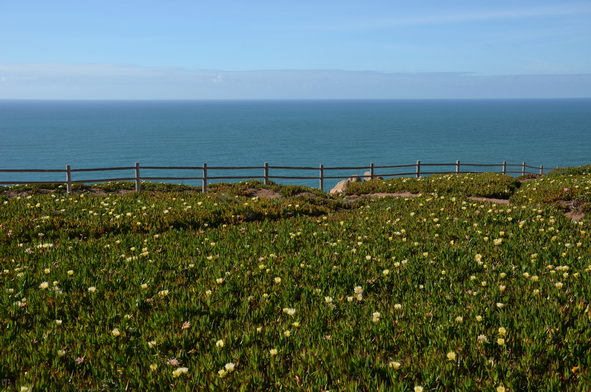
273	351
116	332
451	356
394	365
44	285
92	289
179	371
219	343
375	317
289	311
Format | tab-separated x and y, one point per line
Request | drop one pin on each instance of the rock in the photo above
368	177
340	187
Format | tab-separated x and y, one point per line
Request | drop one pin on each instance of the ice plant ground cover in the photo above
221	291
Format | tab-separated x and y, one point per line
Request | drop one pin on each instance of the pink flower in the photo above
173	362
79	360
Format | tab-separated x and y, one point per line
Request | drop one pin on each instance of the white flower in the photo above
92	289
44	285
289	311
482	339
219	343
375	317
230	366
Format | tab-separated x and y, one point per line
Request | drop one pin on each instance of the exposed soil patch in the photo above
263	193
490	200
376	195
573	209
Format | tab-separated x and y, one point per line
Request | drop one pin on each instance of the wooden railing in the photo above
418	169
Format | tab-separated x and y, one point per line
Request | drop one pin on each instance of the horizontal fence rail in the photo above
205	175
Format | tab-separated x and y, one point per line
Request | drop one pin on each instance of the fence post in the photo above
371	172
266	174
541	169
68	179
138	184
457	167
204	181
523	169
322	177
418	169
504	167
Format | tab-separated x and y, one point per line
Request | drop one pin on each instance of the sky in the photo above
301	49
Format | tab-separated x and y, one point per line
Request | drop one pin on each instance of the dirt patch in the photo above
574	215
490	200
263	193
376	195
573	209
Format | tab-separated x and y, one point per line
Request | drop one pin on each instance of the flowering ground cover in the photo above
222	291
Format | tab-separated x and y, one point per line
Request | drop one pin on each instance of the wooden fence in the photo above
418	169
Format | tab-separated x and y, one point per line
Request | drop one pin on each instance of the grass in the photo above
174	290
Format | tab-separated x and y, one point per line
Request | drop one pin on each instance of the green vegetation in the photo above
179	290
576	170
477	184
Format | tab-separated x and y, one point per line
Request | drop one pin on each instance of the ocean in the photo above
90	134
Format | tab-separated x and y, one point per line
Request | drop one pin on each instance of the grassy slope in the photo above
383	293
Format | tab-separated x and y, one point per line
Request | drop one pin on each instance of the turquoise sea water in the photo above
87	134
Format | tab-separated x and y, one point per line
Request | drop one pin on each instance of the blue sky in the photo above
224	49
